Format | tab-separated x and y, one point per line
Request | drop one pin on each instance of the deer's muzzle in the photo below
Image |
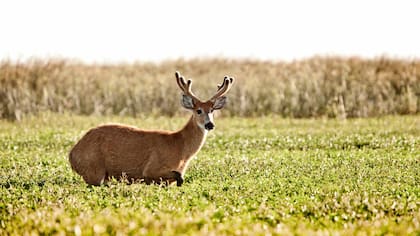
209	126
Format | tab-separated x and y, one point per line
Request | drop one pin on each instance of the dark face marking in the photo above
209	126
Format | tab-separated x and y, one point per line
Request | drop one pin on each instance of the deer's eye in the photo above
199	111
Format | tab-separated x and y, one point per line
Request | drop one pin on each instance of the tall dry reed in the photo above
332	87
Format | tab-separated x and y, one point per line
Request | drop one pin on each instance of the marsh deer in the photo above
115	150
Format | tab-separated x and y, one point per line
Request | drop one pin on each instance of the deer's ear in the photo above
187	102
219	103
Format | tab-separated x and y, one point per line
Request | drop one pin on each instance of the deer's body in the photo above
116	150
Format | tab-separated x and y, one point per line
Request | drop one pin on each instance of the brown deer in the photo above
115	150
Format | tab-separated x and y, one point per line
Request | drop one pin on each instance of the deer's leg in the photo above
155	172
178	178
96	177
165	177
173	176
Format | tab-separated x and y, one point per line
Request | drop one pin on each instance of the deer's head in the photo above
203	111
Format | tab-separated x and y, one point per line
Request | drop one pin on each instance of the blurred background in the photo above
291	58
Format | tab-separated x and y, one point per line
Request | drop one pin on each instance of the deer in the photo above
151	156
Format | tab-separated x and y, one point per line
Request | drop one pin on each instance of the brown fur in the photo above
115	150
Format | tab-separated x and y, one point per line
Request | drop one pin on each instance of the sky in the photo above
95	31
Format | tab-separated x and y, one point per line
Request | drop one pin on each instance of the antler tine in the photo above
179	81
219	86
185	86
223	88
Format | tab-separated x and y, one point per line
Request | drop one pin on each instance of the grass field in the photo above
254	176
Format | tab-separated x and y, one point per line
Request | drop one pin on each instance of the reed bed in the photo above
315	87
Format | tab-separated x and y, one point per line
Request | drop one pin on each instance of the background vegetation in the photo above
316	87
254	176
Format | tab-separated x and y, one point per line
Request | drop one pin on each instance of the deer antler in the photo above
223	88
185	86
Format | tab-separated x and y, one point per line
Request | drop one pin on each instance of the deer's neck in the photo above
193	137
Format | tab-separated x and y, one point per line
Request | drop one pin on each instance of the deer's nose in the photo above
209	126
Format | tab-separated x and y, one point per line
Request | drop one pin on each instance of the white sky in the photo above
127	31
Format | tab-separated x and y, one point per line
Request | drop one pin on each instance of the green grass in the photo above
254	176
